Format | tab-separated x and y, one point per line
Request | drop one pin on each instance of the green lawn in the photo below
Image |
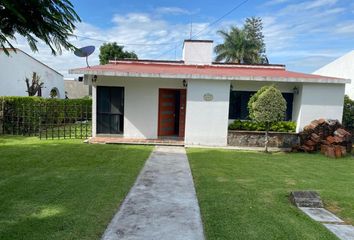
63	189
244	195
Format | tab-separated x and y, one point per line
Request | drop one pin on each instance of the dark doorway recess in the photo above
110	110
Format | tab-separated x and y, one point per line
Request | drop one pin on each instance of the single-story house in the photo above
195	99
18	66
342	67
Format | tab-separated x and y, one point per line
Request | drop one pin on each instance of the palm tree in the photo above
237	48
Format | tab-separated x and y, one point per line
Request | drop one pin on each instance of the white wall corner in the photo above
320	101
94	115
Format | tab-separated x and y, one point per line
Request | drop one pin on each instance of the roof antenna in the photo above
191	31
176	51
85	52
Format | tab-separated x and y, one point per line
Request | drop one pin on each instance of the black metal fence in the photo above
47	121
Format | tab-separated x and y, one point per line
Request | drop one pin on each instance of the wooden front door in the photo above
167	112
172	108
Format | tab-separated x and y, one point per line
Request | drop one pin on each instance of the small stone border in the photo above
310	203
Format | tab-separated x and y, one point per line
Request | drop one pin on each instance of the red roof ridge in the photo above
181	63
214	71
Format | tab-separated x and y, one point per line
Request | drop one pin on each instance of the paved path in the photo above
162	204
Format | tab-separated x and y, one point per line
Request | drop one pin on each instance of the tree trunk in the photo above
266	138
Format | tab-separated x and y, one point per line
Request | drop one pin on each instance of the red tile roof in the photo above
214	70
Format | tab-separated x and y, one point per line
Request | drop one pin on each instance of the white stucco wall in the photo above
15	68
197	52
94	110
207	121
140	103
342	67
319	101
297	108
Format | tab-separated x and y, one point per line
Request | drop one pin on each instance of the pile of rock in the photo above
327	136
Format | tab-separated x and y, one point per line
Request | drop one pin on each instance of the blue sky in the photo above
304	34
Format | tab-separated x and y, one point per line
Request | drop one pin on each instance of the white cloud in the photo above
173	11
143	33
345	27
289	37
275	2
299	33
301	7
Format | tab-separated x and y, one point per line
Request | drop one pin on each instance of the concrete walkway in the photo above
162	204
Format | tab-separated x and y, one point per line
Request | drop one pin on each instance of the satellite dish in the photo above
85	52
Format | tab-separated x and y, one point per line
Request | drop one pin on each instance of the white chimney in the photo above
198	52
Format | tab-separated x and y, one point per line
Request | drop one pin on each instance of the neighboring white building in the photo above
195	99
342	67
18	66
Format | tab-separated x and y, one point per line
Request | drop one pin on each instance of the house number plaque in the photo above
208	97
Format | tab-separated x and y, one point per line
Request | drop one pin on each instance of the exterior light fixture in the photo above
94	78
295	90
231	87
185	84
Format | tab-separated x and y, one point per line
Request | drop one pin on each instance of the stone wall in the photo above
76	89
256	139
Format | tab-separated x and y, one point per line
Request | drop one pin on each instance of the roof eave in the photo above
208	77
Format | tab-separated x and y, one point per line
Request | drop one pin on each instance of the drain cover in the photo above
306	199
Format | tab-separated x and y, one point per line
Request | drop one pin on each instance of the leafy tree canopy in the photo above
243	45
254	32
267	106
236	47
51	21
112	51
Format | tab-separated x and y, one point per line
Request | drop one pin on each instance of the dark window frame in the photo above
110	110
239	100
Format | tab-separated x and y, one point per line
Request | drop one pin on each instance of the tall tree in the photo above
267	106
253	28
112	51
51	21
236	48
243	45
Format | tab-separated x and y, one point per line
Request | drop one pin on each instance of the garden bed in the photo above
239	138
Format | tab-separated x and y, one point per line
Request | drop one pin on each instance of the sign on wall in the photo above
208	97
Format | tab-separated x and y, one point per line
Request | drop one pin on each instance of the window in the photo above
239	101
54	93
110	110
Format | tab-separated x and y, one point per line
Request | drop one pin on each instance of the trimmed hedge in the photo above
19	101
248	125
26	114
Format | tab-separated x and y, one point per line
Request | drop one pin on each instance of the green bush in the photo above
27	114
254	126
348	113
